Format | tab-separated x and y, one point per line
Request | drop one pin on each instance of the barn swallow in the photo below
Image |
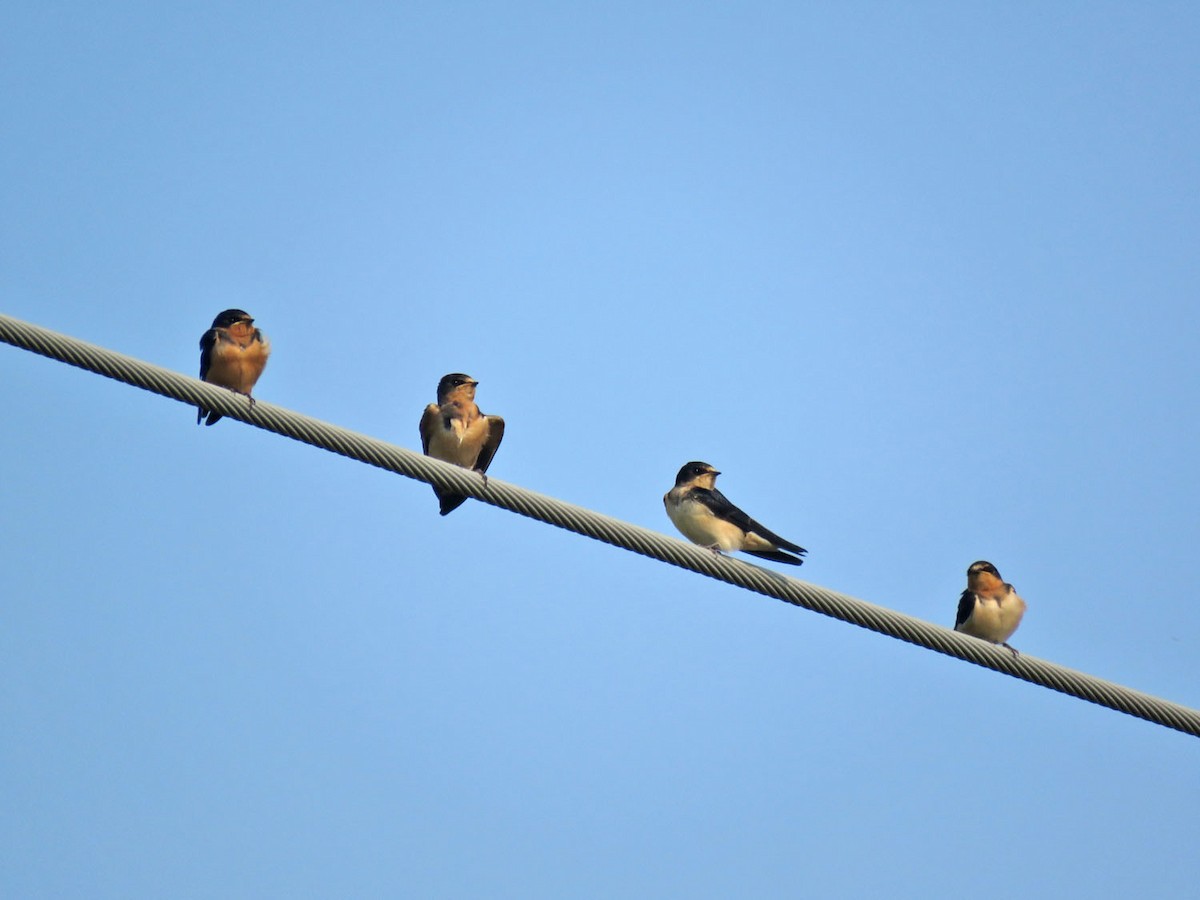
233	354
455	431
707	518
989	608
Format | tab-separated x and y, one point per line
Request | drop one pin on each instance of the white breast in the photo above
995	620
698	524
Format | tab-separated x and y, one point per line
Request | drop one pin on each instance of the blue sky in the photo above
919	279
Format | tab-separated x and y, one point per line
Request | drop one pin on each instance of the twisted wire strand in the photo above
595	525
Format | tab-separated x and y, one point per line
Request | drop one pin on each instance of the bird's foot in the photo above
1012	650
483	475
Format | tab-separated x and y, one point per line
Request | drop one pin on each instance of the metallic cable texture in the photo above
595	525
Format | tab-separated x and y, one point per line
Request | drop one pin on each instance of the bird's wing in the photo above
966	606
722	508
208	340
428	424
492	444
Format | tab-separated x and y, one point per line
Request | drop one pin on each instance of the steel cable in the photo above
594	525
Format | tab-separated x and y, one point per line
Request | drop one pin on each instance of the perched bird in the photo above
989	608
707	518
233	353
455	431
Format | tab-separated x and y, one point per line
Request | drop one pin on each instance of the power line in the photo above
594	525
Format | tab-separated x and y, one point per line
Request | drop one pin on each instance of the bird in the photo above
233	354
989	608
455	431
707	518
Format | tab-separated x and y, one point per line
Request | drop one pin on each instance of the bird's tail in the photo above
777	556
449	502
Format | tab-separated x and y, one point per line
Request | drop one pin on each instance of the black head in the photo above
452	381
693	470
981	566
232	317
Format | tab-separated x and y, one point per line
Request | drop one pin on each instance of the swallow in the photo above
455	431
707	518
989	608
233	354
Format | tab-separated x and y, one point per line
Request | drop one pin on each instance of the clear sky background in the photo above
920	279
